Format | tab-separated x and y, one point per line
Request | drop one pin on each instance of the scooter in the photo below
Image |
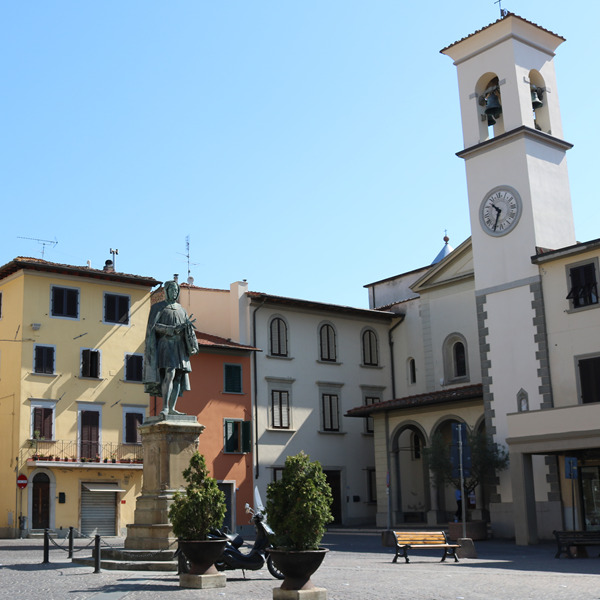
233	558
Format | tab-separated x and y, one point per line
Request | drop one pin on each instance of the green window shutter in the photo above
233	379
246	436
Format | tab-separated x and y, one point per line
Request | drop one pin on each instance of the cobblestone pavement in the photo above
357	567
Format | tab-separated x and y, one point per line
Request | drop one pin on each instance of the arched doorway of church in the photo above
412	484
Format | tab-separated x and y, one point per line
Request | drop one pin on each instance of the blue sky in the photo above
306	146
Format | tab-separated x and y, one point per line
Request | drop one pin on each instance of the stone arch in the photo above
409	479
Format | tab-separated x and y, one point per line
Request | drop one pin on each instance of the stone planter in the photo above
476	530
297	566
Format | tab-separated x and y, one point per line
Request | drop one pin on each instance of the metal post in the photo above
97	554
463	504
70	542
46	547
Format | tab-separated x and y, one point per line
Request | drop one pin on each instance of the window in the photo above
280	409
278	336
90	426
233	379
132	418
0	305
456	366
412	371
589	379
584	286
369	401
327	343
371	486
64	302
460	360
238	436
369	348
43	359
331	417
134	364
90	363
116	309
42	420
415	446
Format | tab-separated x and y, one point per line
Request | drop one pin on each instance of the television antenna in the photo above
503	12
190	279
44	243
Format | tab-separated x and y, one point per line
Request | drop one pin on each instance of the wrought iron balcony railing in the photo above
71	451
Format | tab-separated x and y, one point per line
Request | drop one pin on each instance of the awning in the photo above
103	487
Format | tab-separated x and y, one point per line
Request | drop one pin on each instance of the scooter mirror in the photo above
248	509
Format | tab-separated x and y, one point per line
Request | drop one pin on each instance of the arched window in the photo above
278	335
412	371
327	343
460	360
455	356
369	348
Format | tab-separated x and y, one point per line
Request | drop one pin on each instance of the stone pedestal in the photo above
216	580
168	446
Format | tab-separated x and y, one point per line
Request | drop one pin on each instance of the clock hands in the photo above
498	211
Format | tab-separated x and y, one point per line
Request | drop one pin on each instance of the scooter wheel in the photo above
273	569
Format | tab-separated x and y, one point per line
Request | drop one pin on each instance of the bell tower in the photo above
519	201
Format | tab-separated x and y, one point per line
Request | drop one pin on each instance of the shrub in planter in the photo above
201	507
299	504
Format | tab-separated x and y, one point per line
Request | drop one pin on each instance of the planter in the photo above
476	530
202	554
297	566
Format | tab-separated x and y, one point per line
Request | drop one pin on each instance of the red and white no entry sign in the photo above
22	481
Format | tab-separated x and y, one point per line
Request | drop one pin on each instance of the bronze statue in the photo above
170	341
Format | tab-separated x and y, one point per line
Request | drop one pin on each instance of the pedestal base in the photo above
314	594
187	580
467	548
168	446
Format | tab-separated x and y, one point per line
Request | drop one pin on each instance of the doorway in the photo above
40	502
90	420
334	479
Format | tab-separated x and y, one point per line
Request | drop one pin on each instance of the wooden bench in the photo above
406	540
567	540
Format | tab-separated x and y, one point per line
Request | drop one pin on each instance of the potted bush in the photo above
194	513
298	508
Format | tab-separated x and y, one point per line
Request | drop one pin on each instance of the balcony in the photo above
70	453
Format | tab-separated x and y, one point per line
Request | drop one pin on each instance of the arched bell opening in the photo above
489	106
411	481
539	102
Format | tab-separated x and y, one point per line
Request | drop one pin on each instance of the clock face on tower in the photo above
500	210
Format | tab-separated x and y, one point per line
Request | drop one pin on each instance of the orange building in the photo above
221	398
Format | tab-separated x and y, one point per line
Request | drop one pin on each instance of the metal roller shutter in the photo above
98	512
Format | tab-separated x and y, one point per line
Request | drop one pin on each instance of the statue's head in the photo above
172	290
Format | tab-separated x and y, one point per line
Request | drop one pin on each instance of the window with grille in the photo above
43	359
330	409
460	360
116	309
278	335
134	364
584	286
280	409
233	379
64	302
237	436
90	363
369	348
327	339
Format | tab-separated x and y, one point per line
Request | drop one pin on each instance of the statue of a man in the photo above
170	340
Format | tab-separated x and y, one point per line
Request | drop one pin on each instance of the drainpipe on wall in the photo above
255	384
387	427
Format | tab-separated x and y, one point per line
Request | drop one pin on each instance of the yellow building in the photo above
71	397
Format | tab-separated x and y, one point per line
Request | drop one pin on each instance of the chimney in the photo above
109	267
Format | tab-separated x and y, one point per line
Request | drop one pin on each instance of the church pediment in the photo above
454	268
